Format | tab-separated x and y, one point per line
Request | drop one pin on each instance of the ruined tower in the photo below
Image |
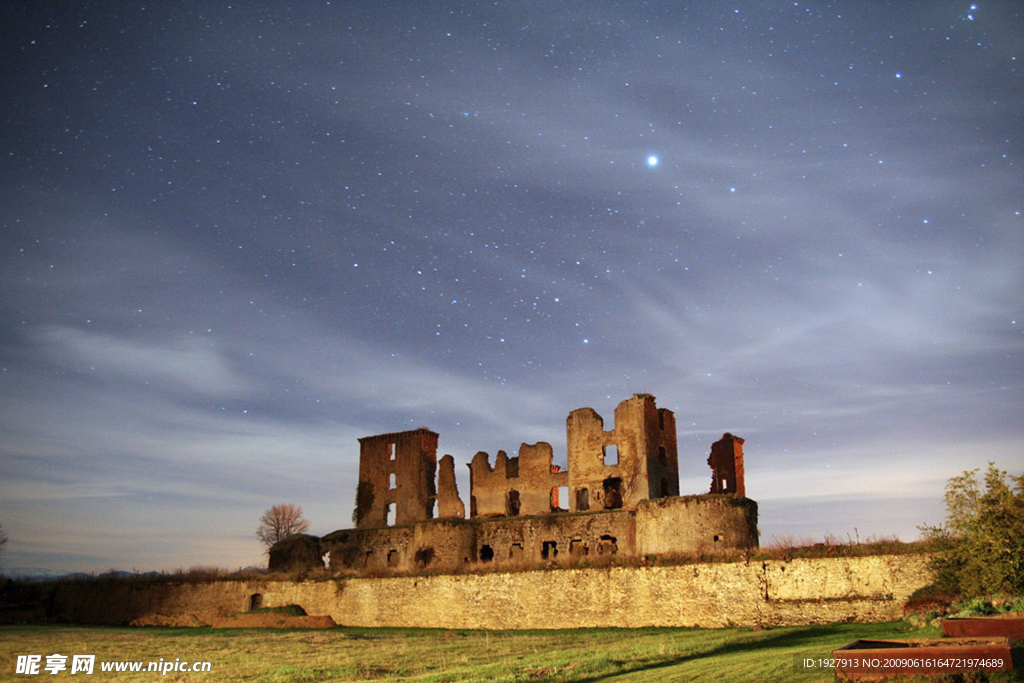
621	484
396	476
526	484
726	461
637	460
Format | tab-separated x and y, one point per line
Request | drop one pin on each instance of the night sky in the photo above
236	237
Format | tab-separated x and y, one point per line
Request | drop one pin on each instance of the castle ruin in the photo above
620	493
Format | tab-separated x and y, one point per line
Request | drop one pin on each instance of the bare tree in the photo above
281	521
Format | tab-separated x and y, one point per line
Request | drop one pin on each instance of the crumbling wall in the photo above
299	551
700	525
445	545
726	462
611	475
661	451
449	505
539	479
523	485
370	550
769	593
489	486
560	539
437	544
696	525
634	461
396	470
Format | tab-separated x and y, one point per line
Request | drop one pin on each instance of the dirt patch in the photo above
272	620
189	620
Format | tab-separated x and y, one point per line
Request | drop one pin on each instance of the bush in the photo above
980	547
930	599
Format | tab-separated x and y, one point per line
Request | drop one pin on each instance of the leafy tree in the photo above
281	521
980	547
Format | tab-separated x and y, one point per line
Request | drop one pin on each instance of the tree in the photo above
280	522
3	539
980	547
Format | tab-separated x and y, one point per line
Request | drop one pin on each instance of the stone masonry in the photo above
619	495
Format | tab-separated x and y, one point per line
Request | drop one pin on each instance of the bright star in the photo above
653	160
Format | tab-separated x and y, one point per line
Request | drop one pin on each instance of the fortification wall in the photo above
705	525
770	593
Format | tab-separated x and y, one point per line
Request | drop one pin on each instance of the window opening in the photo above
608	545
435	510
611	455
582	499
390	515
512	503
393	558
392	451
549	550
559	498
424	556
486	553
255	601
577	548
515	552
612	493
392	482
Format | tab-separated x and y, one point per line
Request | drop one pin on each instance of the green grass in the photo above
428	655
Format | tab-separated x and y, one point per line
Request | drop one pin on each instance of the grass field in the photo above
353	654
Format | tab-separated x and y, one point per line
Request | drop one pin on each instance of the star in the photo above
653	161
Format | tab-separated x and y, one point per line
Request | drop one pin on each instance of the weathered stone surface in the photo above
621	490
703	525
396	471
637	460
300	551
449	505
726	462
771	593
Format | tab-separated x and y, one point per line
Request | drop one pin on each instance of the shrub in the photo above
980	547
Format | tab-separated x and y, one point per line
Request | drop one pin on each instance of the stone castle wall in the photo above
765	593
703	525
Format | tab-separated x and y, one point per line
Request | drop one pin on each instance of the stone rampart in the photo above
765	593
